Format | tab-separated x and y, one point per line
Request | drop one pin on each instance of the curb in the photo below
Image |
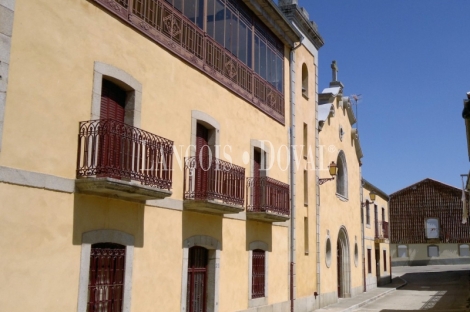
361	304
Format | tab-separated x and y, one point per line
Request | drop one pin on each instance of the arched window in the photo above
342	176
304	80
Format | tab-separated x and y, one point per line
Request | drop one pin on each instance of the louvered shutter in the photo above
202	162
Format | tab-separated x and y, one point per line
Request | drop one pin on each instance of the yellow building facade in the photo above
167	155
376	220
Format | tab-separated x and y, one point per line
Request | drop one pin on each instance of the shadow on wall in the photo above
98	213
258	231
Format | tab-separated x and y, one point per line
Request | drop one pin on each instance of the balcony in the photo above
120	161
381	232
213	186
267	200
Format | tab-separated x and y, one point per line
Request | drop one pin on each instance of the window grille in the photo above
369	261
258	274
197	279
106	280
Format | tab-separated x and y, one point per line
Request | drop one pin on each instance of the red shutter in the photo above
197	279
257	185
106	277
202	162
258	274
113	100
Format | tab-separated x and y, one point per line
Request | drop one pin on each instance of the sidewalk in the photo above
351	304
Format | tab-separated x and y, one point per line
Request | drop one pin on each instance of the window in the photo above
342	176
106	271
305	187
197	279
433	251
383	214
369	261
233	26
258	274
304	80
367	212
306	235
305	141
385	260
356	255
258	282
432	228
106	279
402	251
200	278
464	251
328	252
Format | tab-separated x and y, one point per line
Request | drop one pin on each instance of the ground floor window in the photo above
433	251
106	280
369	261
385	260
402	251
197	279
464	251
258	274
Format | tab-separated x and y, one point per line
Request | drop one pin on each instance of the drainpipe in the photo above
362	230
292	173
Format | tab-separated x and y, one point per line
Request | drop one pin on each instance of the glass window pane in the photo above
402	251
190	10
257	52
178	4
234	34
200	13
249	47
210	18
279	74
219	21
262	60
242	44
228	25
432	228
464	251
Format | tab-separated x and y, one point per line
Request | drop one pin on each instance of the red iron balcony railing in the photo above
112	149
267	195
381	229
214	179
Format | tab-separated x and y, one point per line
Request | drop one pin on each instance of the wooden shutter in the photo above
197	279
258	274
113	100
202	162
106	278
257	185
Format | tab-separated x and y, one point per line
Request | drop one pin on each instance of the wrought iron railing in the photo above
170	28
381	229
267	195
214	179
109	148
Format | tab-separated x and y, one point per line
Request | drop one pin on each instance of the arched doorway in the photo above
343	264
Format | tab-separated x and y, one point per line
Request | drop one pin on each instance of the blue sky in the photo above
410	60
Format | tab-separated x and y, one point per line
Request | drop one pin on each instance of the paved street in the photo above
435	288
